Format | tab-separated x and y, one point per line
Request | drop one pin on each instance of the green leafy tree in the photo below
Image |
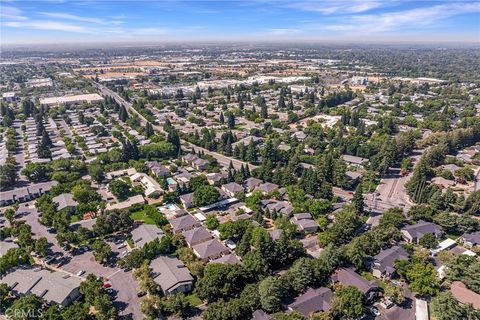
347	303
101	250
212	222
271	292
120	189
205	195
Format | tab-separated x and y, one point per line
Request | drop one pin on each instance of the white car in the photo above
81	272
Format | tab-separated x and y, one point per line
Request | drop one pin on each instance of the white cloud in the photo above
47	25
337	6
68	16
11	13
398	20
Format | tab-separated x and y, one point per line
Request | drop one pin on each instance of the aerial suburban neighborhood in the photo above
240	181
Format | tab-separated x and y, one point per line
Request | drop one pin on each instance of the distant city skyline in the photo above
104	22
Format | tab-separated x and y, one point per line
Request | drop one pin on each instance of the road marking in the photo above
113	273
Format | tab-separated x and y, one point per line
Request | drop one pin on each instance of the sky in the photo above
122	21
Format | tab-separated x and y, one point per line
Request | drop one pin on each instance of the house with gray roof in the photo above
261	315
251	183
146	233
54	287
353	160
65	200
184	223
267	187
312	301
232	188
171	275
413	233
187	200
196	236
304	222
210	250
348	277
384	263
471	239
227	259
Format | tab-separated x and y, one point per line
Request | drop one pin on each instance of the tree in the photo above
347	303
393	217
120	189
177	304
101	250
358	199
198	181
422	278
445	307
8	175
394	293
35	172
205	195
28	307
135	258
270	292
41	245
212	222
428	241
96	172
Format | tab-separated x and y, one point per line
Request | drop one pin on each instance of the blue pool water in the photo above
170	181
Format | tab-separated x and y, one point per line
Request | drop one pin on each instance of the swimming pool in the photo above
170	181
171	206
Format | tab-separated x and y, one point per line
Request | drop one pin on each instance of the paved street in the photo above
223	160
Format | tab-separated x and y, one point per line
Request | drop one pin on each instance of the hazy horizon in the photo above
113	23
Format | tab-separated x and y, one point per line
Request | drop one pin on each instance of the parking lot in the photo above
122	282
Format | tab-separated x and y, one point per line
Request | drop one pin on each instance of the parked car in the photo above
374	311
81	272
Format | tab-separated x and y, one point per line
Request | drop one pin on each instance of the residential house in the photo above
227	259
471	239
261	315
54	287
196	236
413	233
304	222
184	223
348	277
151	187
384	262
353	160
464	295
251	183
136	199
232	188
65	200
267	187
312	301
146	233
187	200
171	275
209	250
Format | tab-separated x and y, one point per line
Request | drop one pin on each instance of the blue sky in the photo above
104	21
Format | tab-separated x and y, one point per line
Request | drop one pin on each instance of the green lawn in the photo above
140	215
194	300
